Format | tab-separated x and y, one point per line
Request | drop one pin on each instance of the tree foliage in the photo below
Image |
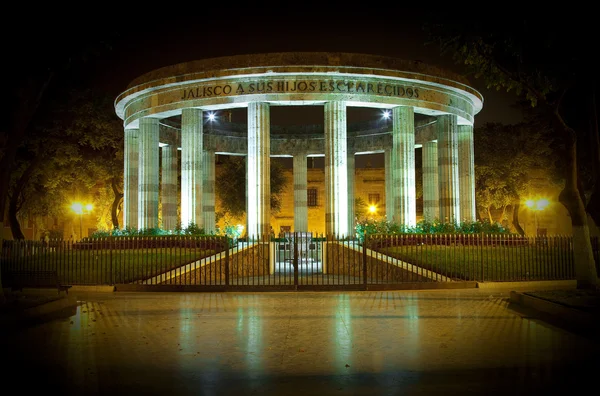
507	158
547	62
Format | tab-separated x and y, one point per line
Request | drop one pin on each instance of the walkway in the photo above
298	343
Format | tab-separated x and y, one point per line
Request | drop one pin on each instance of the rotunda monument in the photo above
430	108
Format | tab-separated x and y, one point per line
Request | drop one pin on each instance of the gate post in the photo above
364	260
226	241
110	249
295	261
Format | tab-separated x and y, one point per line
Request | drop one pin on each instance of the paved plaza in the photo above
298	343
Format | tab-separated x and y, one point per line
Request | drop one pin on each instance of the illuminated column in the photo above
148	174
131	153
191	167
300	199
466	172
169	187
351	220
389	202
431	202
447	147
258	170
336	169
403	166
209	191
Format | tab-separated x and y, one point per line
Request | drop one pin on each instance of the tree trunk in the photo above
489	213
502	214
114	210
593	204
2	298
13	221
570	197
515	219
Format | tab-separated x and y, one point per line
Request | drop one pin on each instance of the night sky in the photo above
142	41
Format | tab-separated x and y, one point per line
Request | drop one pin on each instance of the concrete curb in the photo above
49	307
41	312
559	284
103	289
568	317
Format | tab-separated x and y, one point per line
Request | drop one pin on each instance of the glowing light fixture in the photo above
386	114
80	209
372	208
211	116
537	205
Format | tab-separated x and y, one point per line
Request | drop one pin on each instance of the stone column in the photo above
209	191
169	187
431	202
389	202
300	198
448	168
148	173
403	166
351	175
131	153
258	170
466	172
336	170
191	167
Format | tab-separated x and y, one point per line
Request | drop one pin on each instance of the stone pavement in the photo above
298	343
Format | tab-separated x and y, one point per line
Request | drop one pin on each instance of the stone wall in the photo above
344	260
253	261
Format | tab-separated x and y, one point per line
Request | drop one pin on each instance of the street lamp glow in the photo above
77	207
537	205
542	204
372	208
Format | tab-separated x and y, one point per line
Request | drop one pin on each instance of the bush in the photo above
373	227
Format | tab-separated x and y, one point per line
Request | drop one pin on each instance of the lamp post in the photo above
537	205
80	209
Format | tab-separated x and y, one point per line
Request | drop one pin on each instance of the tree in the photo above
232	194
74	149
547	62
506	158
38	61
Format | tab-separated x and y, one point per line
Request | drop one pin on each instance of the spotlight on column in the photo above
386	114
211	116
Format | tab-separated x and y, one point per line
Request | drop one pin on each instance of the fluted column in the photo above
336	169
300	198
131	153
351	219
208	190
389	201
191	167
448	168
258	169
169	187
466	172
431	202
403	166
148	173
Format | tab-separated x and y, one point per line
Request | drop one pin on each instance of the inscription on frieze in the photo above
302	86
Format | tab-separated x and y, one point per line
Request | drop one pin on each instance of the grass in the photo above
490	263
110	266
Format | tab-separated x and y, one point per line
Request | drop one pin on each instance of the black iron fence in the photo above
298	260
